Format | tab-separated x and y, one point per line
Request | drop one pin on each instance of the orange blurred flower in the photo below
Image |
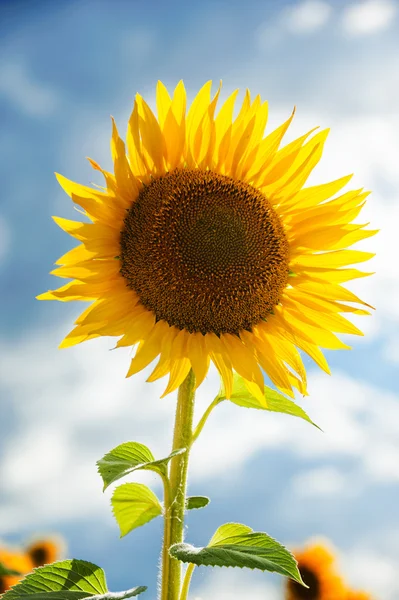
316	563
40	552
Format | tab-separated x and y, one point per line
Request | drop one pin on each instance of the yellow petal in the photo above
336	237
174	130
150	348
290	333
254	146
307	159
316	194
317	335
286	352
90	270
69	292
242	359
267	148
318	318
163	365
223	123
141	323
151	136
221	361
163	103
125	179
198	356
78	335
331	275
137	159
339	258
282	162
178	372
253	389
75	255
328	291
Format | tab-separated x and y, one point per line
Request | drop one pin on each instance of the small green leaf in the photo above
236	545
275	401
196	502
8	572
129	457
67	580
134	504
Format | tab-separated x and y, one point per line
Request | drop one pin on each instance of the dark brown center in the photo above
204	252
298	592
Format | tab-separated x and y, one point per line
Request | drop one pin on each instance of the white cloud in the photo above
5	239
372	571
306	17
370	16
302	18
229	584
20	89
324	481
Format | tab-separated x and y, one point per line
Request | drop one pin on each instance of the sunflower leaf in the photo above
274	401
134	504
193	502
67	580
236	545
8	572
129	457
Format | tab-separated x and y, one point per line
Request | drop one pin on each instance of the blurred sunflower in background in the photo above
205	246
317	563
23	561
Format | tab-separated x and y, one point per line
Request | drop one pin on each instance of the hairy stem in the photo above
175	504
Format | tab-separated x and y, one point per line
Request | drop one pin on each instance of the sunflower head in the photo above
45	551
23	561
14	560
204	245
316	564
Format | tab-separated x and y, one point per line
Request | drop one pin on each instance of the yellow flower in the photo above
317	566
14	561
46	551
205	246
23	561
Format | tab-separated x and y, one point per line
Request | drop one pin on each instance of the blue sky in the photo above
64	68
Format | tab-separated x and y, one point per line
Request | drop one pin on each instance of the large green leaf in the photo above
236	545
129	457
67	580
134	504
6	571
274	401
193	502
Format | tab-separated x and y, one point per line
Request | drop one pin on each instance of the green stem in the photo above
175	505
204	418
166	531
186	582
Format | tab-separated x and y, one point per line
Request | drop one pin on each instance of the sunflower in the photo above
46	551
14	561
205	246
316	564
22	561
